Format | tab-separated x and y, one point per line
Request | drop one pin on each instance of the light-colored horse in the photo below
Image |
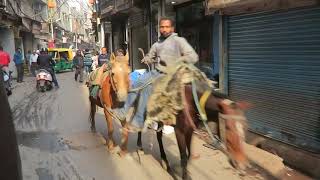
114	91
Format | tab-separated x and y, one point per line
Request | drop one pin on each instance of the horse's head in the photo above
236	126
120	70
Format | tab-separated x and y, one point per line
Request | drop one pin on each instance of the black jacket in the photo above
45	61
78	61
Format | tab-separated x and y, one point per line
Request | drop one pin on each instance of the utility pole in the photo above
76	41
51	5
51	24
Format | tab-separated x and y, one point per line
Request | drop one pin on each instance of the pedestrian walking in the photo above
28	61
4	60
18	60
104	57
95	61
78	62
33	62
87	61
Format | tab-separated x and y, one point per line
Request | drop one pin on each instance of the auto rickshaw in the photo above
63	58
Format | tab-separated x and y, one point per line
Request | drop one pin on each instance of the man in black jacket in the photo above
78	62
46	62
10	164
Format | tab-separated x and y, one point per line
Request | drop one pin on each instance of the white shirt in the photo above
94	62
33	58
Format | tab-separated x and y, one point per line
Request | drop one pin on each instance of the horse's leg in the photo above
188	137
164	161
139	141
92	114
124	139
110	142
182	148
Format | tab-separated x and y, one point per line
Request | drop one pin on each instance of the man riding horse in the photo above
170	98
170	47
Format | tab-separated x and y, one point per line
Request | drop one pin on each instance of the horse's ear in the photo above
112	58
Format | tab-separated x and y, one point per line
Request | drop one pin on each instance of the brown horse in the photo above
114	91
187	120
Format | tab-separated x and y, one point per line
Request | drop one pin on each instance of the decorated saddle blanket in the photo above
167	97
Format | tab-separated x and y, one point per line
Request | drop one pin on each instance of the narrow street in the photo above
261	55
55	141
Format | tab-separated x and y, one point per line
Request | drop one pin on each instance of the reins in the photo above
217	143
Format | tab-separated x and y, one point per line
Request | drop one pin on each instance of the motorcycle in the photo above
44	80
7	82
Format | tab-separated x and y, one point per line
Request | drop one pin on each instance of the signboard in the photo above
64	39
51	44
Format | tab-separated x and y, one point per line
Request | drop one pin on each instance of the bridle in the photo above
114	87
200	105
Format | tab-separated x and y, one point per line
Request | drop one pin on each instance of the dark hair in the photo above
86	50
1	48
167	19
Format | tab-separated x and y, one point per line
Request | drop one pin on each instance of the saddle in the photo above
95	79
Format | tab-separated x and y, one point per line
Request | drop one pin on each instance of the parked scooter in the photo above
7	82
44	80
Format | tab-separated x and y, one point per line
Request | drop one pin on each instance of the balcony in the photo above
123	5
106	6
44	2
120	6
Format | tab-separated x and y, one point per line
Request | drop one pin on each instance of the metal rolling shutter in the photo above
137	19
274	63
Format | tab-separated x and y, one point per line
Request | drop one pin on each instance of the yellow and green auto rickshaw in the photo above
63	58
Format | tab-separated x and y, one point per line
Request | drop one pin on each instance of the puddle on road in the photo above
45	141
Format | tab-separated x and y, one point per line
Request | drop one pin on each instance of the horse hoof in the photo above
122	153
110	146
140	152
93	130
185	175
165	165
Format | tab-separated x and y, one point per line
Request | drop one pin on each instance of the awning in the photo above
26	23
41	36
36	28
232	7
219	4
